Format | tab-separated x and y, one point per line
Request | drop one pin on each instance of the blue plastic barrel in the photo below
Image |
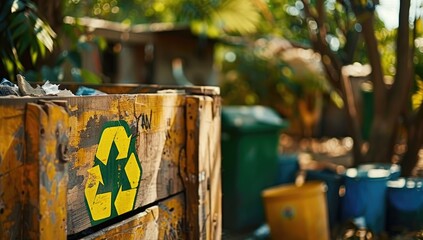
394	169
405	205
288	168
333	182
365	196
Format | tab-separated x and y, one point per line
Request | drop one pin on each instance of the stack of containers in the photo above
371	195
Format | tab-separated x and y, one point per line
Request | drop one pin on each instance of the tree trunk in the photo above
380	142
414	143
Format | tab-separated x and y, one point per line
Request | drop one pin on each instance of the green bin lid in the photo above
251	118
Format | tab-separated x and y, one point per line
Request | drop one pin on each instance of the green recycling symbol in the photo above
113	181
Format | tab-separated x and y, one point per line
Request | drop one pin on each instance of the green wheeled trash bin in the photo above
250	137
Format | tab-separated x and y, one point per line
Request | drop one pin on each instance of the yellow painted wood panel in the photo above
154	123
166	220
12	132
45	179
33	181
160	138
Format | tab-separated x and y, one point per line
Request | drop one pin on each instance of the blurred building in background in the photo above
158	53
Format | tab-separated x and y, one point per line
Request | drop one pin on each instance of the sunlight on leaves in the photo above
25	34
237	16
417	97
203	28
44	34
16	5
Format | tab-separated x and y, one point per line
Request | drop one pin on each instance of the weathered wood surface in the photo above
45	179
168	143
156	124
166	220
33	176
129	88
12	132
203	167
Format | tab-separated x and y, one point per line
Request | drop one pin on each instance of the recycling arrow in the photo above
112	184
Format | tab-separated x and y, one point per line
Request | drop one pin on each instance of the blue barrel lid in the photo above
394	169
415	183
357	173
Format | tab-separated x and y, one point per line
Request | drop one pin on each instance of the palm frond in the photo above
237	16
22	32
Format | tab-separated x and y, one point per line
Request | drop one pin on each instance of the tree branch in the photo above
414	143
379	87
331	64
333	69
399	92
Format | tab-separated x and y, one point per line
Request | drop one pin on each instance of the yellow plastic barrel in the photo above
297	212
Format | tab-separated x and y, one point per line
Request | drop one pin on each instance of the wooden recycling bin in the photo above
144	165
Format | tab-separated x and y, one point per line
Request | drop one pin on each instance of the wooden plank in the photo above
12	132
45	179
174	136
154	123
166	220
202	170
212	148
129	88
32	179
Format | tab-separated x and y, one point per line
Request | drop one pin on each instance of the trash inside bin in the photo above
250	137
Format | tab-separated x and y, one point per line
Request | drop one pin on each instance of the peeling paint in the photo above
159	123
92	128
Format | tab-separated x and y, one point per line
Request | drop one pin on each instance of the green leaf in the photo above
23	45
237	15
43	35
31	6
8	64
42	48
17	20
34	55
5	10
90	77
417	97
19	31
17	6
101	43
